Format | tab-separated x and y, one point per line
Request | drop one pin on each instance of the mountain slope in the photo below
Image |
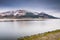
44	15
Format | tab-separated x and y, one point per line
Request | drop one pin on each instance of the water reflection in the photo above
23	28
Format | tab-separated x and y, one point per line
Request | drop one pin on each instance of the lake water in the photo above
16	29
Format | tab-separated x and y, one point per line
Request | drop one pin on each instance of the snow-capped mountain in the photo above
17	12
25	14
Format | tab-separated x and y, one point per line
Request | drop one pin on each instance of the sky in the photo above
49	6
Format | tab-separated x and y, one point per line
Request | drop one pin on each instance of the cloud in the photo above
33	4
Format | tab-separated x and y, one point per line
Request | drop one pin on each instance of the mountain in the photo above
25	14
44	15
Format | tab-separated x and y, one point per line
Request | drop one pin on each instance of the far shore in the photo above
22	19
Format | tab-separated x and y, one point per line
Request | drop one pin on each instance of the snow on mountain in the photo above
19	13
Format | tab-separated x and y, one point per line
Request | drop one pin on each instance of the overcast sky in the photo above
48	6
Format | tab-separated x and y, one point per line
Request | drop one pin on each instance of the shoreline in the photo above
23	19
51	35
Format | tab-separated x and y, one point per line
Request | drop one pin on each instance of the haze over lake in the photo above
16	29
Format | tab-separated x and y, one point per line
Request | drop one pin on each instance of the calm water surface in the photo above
16	29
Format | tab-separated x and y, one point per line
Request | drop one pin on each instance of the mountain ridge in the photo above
26	14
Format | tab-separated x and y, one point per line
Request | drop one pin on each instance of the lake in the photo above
16	29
